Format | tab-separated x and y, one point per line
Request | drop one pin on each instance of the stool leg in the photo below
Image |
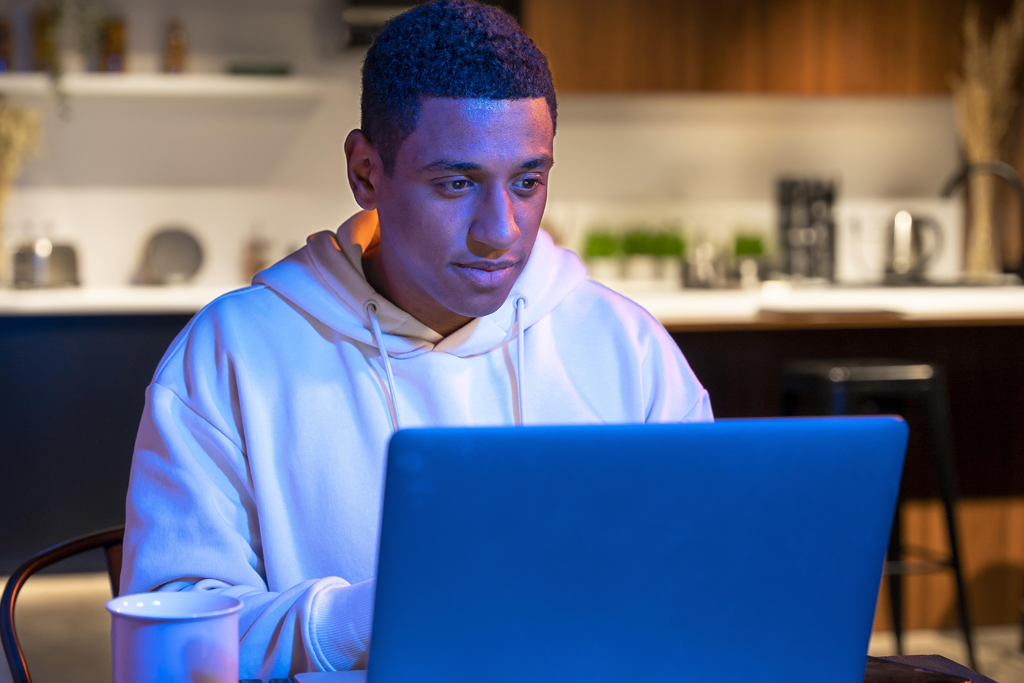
839	399
1020	609
896	581
788	404
941	439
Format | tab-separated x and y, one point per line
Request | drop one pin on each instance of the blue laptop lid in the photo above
746	550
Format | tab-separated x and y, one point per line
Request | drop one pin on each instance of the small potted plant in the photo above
749	254
638	246
602	250
669	248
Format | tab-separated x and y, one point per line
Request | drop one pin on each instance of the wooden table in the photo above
929	662
942	665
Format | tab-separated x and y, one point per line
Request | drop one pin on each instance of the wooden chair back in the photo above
110	540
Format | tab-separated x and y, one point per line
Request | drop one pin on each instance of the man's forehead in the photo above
483	107
453	133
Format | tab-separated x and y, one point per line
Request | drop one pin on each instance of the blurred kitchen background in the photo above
775	180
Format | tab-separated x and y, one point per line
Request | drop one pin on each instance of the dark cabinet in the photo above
72	389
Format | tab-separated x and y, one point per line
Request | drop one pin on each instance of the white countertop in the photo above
107	300
772	305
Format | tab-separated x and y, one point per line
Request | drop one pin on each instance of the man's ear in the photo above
364	169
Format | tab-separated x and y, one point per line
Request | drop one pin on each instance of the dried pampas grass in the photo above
19	132
985	102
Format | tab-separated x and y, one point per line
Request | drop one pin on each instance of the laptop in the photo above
744	550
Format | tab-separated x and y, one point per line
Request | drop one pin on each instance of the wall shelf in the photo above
168	86
131	130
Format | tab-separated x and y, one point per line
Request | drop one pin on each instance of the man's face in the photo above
460	212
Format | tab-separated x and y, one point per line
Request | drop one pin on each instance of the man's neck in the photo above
408	296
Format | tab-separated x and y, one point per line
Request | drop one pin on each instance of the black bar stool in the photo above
840	387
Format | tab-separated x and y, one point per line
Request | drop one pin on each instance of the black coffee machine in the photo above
807	228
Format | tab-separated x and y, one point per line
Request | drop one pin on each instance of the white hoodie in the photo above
259	463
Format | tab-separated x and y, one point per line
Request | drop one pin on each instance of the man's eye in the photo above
456	185
527	184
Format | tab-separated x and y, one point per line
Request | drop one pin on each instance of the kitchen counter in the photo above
773	306
107	300
776	306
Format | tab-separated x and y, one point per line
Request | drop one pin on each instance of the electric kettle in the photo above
912	244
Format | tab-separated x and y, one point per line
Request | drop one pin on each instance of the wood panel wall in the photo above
992	540
810	47
1008	205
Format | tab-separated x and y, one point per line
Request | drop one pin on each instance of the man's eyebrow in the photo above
449	165
540	162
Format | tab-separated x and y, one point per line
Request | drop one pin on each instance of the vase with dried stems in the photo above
985	102
19	132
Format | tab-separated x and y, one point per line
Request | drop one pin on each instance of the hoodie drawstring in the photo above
520	372
371	310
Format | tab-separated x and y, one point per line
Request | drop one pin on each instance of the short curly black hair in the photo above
446	48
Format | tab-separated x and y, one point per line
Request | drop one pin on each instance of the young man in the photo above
259	464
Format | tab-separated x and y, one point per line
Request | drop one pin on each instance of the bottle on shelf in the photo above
113	42
256	252
176	49
6	45
46	38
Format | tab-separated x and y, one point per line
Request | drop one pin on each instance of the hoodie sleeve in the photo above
671	389
191	524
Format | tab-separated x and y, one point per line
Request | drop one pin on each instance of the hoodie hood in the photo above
325	279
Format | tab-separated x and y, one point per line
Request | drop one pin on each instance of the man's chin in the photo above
479	304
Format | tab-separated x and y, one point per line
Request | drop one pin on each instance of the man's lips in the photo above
487	273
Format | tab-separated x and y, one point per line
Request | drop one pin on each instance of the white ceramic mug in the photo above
175	636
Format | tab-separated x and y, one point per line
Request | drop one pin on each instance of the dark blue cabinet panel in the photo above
72	390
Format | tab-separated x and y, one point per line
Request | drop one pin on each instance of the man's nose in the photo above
494	229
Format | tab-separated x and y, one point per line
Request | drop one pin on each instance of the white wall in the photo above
721	147
110	226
